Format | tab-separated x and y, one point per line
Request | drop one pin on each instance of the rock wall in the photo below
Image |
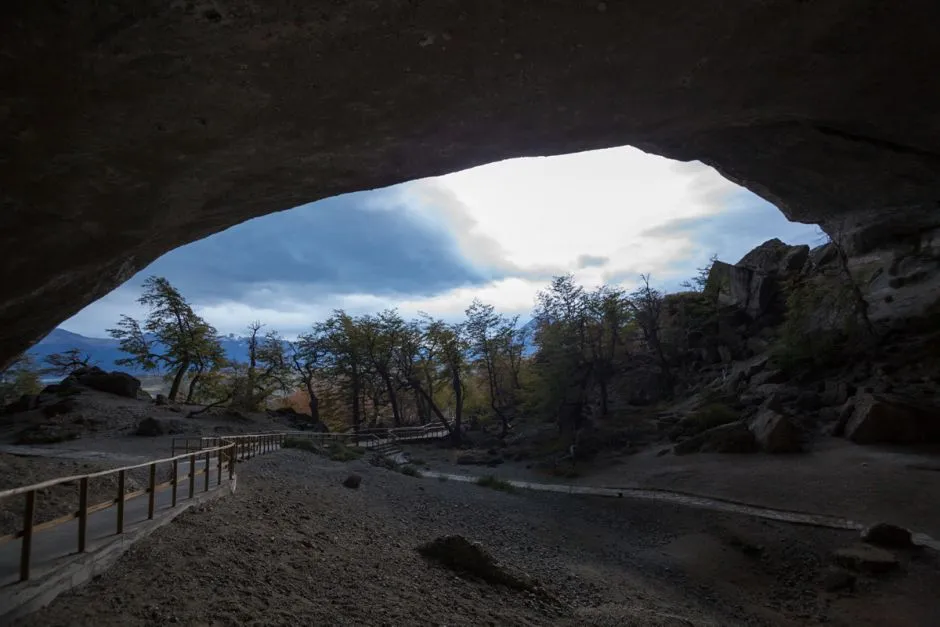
134	126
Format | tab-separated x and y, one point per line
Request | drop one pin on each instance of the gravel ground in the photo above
862	483
293	547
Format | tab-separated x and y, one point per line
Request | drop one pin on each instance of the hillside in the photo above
105	351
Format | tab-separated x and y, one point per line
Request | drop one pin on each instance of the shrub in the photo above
410	470
709	416
822	326
494	482
301	443
342	453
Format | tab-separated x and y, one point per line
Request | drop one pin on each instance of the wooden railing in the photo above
225	455
226	449
368	439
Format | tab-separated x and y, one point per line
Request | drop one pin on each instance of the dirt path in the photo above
293	547
863	484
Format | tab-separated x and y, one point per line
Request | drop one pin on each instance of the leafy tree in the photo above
698	282
307	360
562	372
381	335
608	315
172	339
346	360
267	371
496	345
647	305
19	378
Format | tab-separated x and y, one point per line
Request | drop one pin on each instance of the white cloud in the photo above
606	215
541	216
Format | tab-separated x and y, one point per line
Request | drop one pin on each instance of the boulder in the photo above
878	419
837	579
750	367
888	535
768	377
470	559
734	437
58	408
150	427
753	285
865	558
118	383
823	255
297	420
835	393
775	257
352	482
27	402
160	399
776	433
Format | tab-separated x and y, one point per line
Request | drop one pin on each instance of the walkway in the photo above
37	566
51	546
690	500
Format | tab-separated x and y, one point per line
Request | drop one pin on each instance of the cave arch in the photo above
135	126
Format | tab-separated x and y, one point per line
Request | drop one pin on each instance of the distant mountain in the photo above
105	351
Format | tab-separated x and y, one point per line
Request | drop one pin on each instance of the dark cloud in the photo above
351	244
591	261
484	252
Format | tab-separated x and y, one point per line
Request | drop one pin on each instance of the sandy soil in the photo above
293	547
865	484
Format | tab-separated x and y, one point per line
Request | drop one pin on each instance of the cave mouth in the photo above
499	231
135	129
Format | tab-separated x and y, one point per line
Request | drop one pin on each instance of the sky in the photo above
498	232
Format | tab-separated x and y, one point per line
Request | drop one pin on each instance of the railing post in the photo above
219	470
231	461
192	476
82	513
27	542
176	479
120	502
206	482
153	491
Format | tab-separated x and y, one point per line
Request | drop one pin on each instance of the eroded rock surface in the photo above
132	127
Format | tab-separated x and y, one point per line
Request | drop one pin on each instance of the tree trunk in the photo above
458	401
356	417
177	381
424	416
392	399
314	403
603	385
434	408
192	386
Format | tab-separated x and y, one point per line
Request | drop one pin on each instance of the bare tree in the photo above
647	305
